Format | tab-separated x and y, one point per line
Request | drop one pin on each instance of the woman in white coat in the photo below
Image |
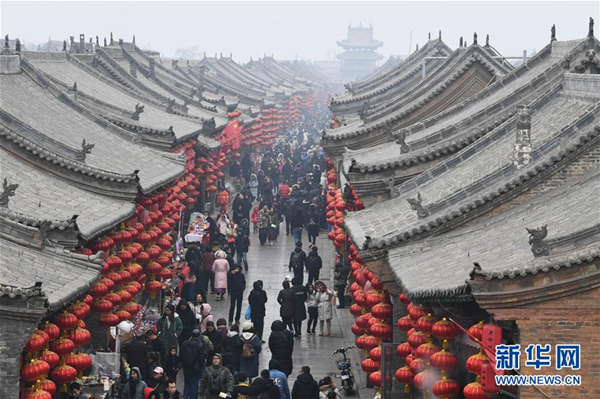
324	299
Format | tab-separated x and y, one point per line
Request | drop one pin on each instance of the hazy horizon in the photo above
297	30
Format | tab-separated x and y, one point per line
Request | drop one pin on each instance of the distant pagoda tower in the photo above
359	56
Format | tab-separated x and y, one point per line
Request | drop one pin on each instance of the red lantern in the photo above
404	349
405	323
33	393
48	386
417	365
445	388
375	354
363	320
382	311
367	342
80	336
476	362
375	378
63	374
50	357
153	268
34	370
420	379
443	360
356	330
123	315
445	329
404	299
474	390
477	331
381	330
79	361
98	290
360	300
416	311
62	346
36	342
52	330
143	257
153	286
102	306
374	298
114	298
132	308
417	339
356	310
133	287
425	323
369	366
406	377
427	349
108	320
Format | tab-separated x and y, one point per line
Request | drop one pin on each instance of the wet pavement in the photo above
270	264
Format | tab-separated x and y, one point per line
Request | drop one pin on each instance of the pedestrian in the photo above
296	224
238	214
247	167
242	244
193	356
289	209
236	286
257	300
242	390
208	276
273	224
297	261
279	379
314	265
171	392
215	337
172	364
263	224
281	344
158	382
254	219
313	310
136	353
188	319
232	349
328	389
253	184
324	298
299	305
215	380
285	298
340	280
152	362
206	318
134	387
169	327
312	225
220	269
76	391
284	190
192	288
197	306
265	385
251	348
305	386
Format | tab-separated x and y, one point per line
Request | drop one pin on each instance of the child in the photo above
254	219
172	365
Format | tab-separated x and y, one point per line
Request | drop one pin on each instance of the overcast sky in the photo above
303	30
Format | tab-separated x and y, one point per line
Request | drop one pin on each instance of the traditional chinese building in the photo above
359	56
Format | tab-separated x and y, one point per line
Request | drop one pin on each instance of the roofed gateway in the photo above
359	56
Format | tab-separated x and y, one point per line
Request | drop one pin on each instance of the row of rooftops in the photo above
84	133
450	194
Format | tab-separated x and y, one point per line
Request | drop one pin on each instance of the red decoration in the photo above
123	315
62	346
405	323
404	349
34	370
48	386
102	306
52	330
33	393
63	374
369	366
79	361
381	330
416	311
476	362
50	357
404	299
132	308
375	354
382	311
425	323
474	390
375	297
375	378
153	286
36	342
417	339
98	290
445	388
477	330
114	298
356	309
443	360
363	320
80	336
356	330
417	365
445	329
405	376
427	349
367	342
108	320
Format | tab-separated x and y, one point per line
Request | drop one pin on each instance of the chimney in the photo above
522	151
151	67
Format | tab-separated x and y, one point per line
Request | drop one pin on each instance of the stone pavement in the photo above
270	264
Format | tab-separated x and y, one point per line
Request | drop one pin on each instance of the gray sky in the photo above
306	30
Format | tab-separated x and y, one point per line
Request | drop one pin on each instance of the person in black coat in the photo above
236	284
266	385
299	305
286	302
188	318
281	344
246	165
305	386
192	288
136	354
156	344
257	300
242	244
314	265
312	226
216	338
297	262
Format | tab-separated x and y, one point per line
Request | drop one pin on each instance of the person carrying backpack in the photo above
243	390
297	262
215	380
192	358
314	265
312	227
281	344
251	348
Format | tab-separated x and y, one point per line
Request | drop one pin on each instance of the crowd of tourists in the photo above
280	188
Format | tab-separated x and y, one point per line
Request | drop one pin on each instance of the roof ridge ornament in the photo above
17	46
429	36
416	204
8	190
85	149
440	34
138	110
390	185
105	44
591	28
401	141
487	40
460	43
553	33
474	38
538	246
97	41
111	39
64	46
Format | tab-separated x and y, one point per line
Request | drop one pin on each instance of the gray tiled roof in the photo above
439	266
27	101
64	276
44	196
480	173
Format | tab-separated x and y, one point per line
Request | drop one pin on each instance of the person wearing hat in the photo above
134	387
157	382
215	380
251	348
192	357
76	391
328	389
314	265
